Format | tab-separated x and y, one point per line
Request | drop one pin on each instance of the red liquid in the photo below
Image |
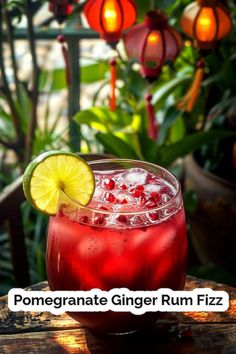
82	257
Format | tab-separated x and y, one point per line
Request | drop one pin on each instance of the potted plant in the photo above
211	173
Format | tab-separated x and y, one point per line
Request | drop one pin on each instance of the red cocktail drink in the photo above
132	235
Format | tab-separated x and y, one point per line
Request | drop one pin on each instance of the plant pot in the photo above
213	223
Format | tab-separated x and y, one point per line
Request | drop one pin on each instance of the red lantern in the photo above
207	21
110	17
152	44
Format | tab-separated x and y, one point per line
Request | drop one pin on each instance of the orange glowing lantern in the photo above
207	21
152	44
110	17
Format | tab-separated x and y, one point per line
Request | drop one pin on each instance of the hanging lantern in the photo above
110	18
206	21
152	44
61	9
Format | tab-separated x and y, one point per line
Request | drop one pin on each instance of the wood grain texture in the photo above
210	333
206	338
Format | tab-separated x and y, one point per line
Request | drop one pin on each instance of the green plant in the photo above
124	132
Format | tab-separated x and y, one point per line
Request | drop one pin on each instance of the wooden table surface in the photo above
185	333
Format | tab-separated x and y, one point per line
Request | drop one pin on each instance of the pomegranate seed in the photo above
138	193
109	197
140	188
122	218
131	190
153	200
109	184
123	186
122	201
150	204
153	216
99	220
156	196
84	219
103	208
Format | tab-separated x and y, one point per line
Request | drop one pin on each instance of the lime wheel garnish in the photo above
53	172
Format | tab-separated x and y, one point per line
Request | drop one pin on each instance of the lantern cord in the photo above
188	102
113	77
61	39
152	126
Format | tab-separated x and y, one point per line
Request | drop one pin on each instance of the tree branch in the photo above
35	82
9	145
9	29
5	87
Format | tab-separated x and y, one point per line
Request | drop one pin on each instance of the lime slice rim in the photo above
33	165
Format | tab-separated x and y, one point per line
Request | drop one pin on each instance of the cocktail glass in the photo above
132	235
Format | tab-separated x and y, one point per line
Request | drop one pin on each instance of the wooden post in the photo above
74	91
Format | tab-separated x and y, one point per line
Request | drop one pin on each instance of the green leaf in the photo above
163	4
56	79
94	72
116	146
142	7
149	148
132	140
190	201
170	117
168	154
23	106
88	74
164	91
6	127
102	119
177	130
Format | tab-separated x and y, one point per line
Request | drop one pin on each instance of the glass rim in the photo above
138	212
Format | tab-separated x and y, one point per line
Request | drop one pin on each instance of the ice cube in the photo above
134	176
153	188
125	198
165	198
98	193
